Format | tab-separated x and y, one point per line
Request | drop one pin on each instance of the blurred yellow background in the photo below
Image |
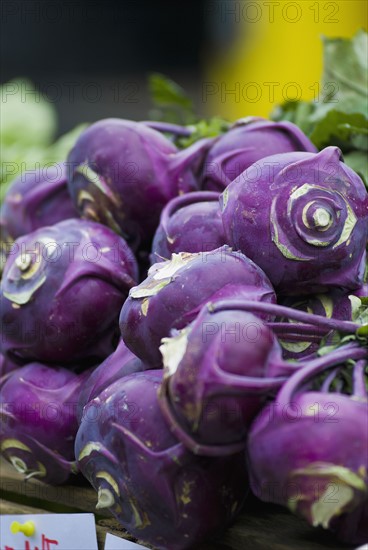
277	53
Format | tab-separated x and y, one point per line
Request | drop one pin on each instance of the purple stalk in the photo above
295	337
336	357
275	309
339	386
176	129
359	385
190	158
329	379
300	328
307	358
199	448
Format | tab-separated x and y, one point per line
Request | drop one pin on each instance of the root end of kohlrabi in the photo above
19	464
105	499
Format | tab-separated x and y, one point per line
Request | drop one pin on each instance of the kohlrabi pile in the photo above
184	319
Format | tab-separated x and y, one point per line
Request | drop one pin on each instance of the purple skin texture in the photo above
218	372
121	362
35	199
303	218
39	421
336	304
189	223
175	291
122	173
159	491
248	141
61	293
309	450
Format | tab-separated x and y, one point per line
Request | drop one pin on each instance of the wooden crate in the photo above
260	526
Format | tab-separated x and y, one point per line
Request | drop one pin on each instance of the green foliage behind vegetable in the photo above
341	118
28	126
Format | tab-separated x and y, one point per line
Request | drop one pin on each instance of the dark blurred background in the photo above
91	58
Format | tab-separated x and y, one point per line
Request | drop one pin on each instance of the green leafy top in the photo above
341	118
345	64
171	103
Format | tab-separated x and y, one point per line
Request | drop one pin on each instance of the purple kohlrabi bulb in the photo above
122	173
248	141
175	291
35	199
308	450
120	363
158	490
189	223
303	218
39	421
218	372
61	292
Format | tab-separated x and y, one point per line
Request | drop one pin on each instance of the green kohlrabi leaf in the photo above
345	73
358	161
205	129
345	86
341	118
343	129
171	102
297	112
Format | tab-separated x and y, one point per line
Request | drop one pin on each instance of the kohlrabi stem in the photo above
337	357
185	200
329	379
176	129
295	337
339	385
283	311
297	328
359	379
185	438
187	158
306	358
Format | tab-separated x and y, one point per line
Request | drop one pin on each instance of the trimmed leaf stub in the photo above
169	269
151	288
173	350
22	297
162	274
105	499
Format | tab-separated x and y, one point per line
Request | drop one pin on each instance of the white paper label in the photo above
51	532
115	543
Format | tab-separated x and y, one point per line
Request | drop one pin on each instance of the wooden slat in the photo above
81	497
8	507
111	526
260	526
264	526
